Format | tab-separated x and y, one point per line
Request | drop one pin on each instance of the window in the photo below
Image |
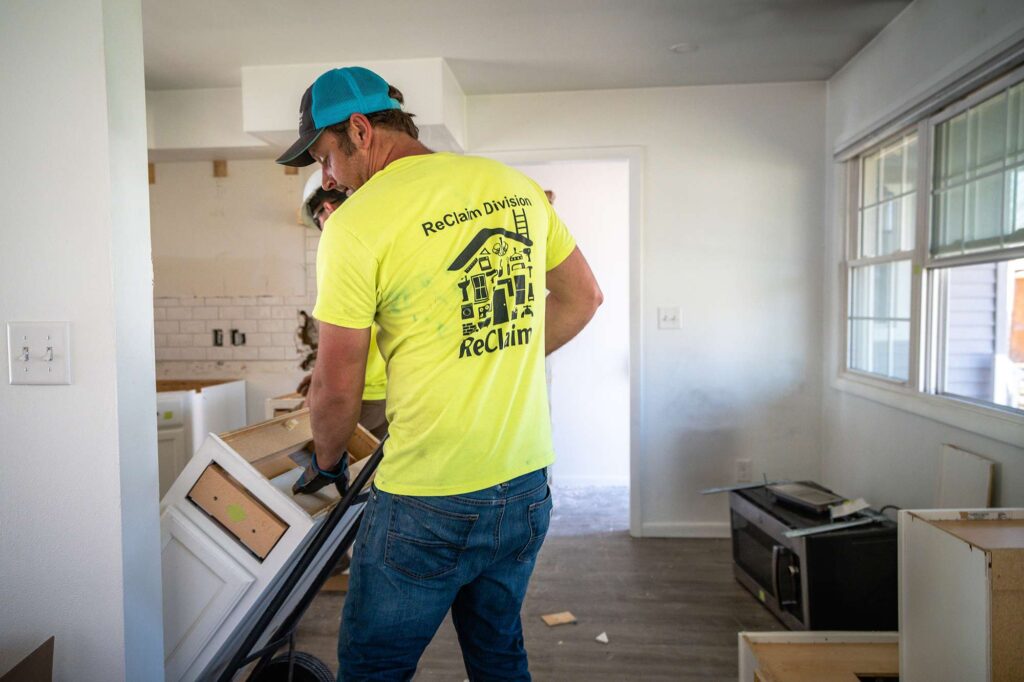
882	244
935	253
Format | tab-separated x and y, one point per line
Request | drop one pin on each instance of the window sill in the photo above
984	421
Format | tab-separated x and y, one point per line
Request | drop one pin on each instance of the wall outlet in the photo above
744	471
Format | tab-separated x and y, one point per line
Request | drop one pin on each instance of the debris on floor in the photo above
563	618
602	638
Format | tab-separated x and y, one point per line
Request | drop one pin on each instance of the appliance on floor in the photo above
810	572
186	411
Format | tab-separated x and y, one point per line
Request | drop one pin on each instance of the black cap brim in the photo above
298	154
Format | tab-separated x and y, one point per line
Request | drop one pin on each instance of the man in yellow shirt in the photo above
471	279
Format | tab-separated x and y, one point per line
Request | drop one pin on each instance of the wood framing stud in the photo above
220	168
152	174
291	170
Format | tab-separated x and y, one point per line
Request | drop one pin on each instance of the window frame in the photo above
919	394
849	262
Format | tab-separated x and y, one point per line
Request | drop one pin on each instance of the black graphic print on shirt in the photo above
496	289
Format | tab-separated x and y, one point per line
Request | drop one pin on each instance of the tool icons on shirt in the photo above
497	285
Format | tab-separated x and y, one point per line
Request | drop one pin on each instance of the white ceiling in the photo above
504	46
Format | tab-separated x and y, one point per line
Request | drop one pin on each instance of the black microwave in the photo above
837	580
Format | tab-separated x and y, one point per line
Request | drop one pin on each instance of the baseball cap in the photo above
331	99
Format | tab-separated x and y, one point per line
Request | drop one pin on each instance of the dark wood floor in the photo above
670	607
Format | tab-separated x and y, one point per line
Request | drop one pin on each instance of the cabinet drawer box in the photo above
245	517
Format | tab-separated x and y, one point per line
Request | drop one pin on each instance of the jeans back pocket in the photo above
425	541
539	516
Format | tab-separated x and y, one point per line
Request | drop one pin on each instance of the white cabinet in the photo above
172	454
231	529
962	595
188	410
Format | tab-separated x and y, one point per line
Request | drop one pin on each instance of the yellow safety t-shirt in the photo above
376	382
448	255
376	372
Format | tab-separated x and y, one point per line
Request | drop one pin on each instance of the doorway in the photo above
594	384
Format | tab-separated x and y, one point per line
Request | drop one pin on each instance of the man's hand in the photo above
313	478
573	298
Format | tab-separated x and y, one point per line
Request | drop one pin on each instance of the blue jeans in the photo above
417	557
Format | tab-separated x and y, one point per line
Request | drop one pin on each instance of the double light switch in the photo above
39	352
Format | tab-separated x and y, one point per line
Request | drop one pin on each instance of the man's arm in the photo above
335	396
573	298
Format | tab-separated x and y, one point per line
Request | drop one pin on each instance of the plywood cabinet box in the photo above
230	528
962	595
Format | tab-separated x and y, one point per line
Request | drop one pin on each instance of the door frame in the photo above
634	156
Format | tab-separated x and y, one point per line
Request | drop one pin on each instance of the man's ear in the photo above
360	131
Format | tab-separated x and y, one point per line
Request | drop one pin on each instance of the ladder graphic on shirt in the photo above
522	226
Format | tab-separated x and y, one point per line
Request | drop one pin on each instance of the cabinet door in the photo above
202	584
172	455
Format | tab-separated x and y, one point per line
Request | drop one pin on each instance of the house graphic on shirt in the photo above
496	286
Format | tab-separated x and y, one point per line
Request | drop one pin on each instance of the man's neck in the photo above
394	146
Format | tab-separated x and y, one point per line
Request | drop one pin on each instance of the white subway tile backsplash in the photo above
183	326
258	339
245	353
283	339
168	353
194	353
271	326
272	353
225	353
165	327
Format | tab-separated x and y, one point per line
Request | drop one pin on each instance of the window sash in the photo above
958	194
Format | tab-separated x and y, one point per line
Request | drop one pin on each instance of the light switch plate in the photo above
39	352
668	317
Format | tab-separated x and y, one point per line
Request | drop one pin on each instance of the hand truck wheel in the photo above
305	668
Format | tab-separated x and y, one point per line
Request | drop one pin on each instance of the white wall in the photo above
590	377
229	253
79	534
232	236
882	452
731	231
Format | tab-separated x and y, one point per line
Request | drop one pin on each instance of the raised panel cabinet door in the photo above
202	584
172	455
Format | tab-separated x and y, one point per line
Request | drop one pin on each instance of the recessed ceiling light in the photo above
682	48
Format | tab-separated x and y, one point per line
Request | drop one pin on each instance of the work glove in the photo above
314	478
